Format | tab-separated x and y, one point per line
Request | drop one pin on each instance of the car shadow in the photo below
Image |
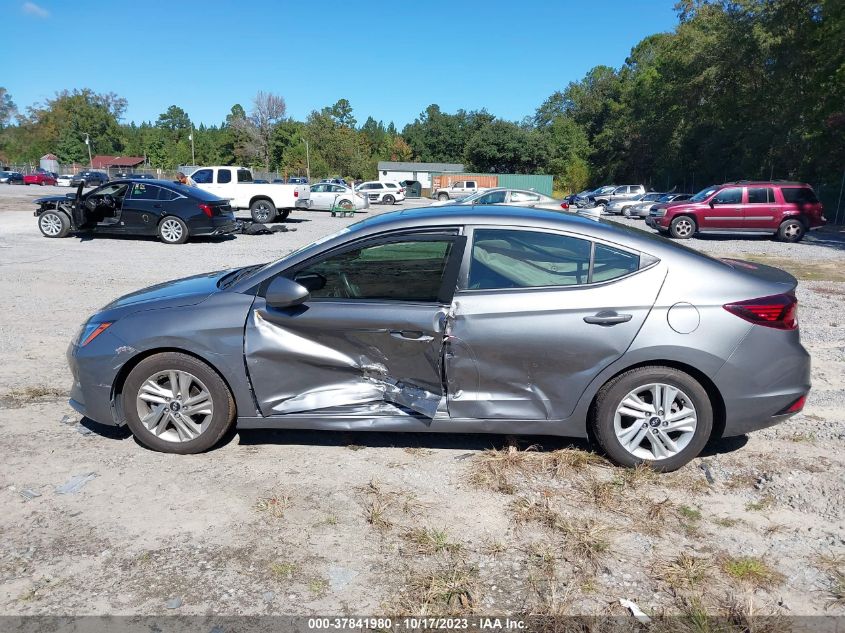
107	431
209	239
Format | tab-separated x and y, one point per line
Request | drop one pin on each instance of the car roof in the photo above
772	183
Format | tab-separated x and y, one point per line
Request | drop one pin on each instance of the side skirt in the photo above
566	428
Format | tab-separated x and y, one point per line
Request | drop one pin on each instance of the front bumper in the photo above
94	369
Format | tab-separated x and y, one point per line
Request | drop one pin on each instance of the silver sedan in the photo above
509	197
484	319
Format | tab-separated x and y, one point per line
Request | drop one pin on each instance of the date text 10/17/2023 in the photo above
416	624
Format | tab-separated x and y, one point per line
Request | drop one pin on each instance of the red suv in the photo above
786	210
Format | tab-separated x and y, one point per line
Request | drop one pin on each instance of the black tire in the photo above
610	396
345	204
221	397
443	196
172	230
263	211
626	211
284	214
791	230
49	220
388	199
682	227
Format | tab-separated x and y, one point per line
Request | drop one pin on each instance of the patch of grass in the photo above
634	478
685	570
806	270
604	494
751	571
447	590
274	506
318	586
493	468
380	503
355	447
525	510
586	539
566	460
493	547
758	506
418	451
690	514
283	570
834	568
727	522
430	541
741	481
35	393
803	437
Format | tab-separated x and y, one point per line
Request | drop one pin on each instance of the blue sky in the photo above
390	60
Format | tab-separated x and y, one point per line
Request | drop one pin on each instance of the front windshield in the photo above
472	197
705	193
666	197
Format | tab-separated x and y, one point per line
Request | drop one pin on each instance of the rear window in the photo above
244	175
760	195
390	185
799	195
193	192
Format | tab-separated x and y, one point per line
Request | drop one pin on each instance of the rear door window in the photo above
799	195
494	197
761	195
244	175
143	191
224	176
521	196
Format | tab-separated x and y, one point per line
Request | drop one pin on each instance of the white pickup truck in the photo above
459	189
266	202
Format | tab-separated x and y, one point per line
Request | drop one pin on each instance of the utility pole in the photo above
307	162
191	138
88	144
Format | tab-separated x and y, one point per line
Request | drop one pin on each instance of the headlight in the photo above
91	330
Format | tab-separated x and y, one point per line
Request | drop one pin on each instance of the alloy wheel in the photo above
683	227
262	212
171	230
175	406
655	421
51	224
792	230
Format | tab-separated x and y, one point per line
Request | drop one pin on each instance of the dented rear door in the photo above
372	334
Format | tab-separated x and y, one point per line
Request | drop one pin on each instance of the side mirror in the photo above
311	281
285	293
712	203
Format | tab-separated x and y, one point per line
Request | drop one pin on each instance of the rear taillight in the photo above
206	209
795	407
295	193
777	311
564	205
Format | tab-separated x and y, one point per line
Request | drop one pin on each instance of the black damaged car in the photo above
171	211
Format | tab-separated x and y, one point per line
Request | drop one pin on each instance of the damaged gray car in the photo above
457	319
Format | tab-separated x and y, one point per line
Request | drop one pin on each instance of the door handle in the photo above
411	335
607	317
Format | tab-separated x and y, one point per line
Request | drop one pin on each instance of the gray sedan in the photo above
457	319
509	197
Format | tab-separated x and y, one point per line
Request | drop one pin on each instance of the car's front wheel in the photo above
682	228
443	196
173	230
791	231
175	403
388	199
656	415
53	224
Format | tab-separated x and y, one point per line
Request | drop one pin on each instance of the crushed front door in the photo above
369	340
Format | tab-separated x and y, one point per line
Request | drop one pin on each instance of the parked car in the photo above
172	211
11	177
457	319
90	179
642	210
457	190
266	202
621	205
135	176
326	196
622	192
786	210
509	197
261	181
337	180
64	180
39	178
298	180
383	192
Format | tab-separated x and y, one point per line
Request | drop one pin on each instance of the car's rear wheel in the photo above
175	403
656	415
263	211
443	196
791	230
388	199
682	228
626	211
284	214
173	230
53	224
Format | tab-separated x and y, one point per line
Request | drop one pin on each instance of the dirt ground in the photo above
357	523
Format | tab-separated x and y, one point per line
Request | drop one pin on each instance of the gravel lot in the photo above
322	522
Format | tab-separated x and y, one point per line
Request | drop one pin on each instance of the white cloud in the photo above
33	9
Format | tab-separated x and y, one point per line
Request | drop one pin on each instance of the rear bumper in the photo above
767	372
218	225
302	204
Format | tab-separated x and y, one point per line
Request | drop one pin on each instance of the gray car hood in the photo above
179	292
